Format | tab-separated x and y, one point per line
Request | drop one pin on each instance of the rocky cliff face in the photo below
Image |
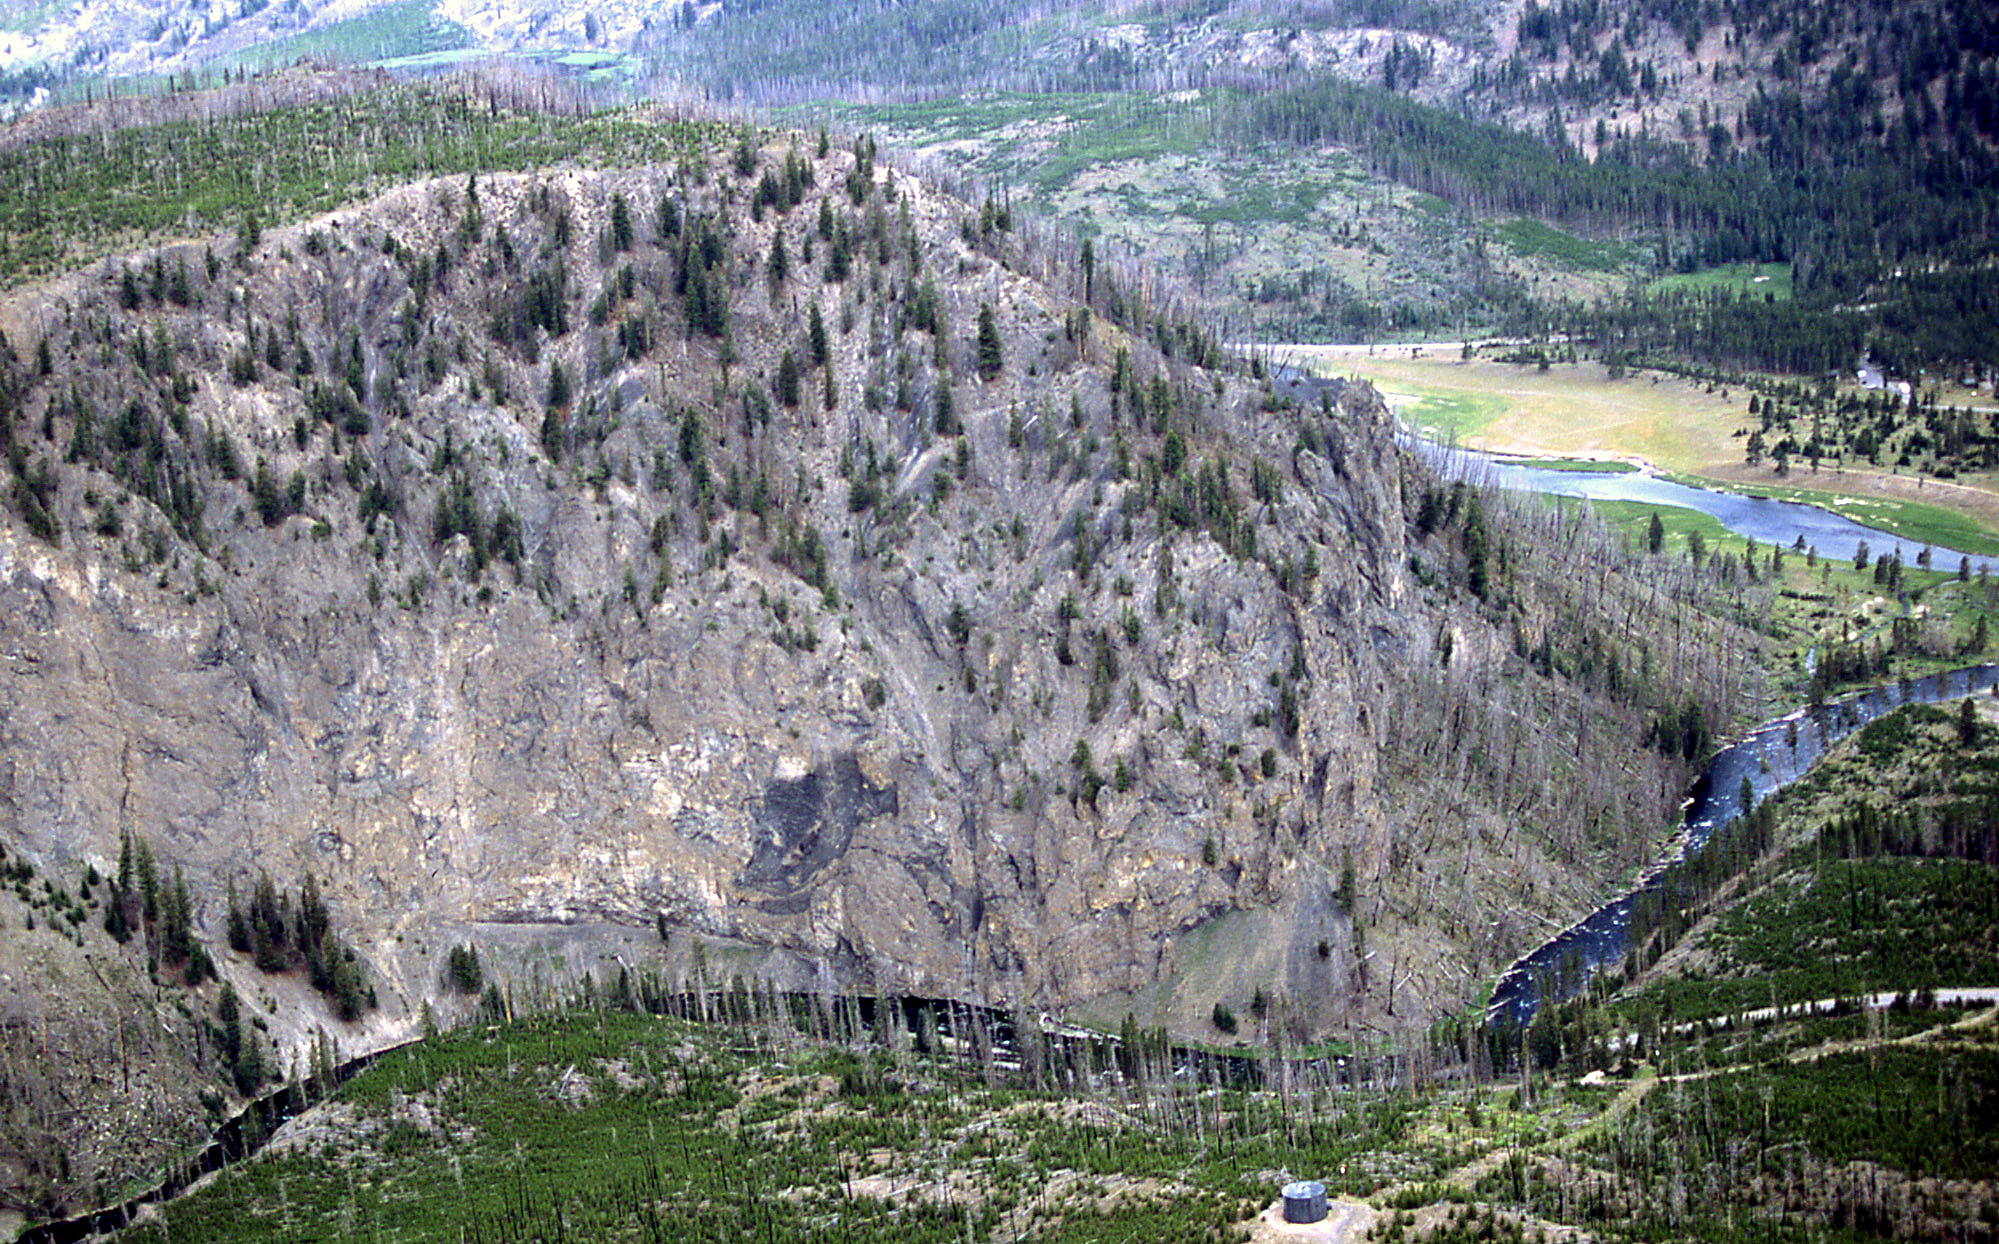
504	556
538	743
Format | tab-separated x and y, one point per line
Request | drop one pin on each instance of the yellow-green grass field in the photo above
1685	429
1568	411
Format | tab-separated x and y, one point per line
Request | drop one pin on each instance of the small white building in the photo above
1871	378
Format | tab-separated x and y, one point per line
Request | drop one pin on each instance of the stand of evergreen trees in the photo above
142	900
280	936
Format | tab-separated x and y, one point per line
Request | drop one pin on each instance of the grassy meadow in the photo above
1746	279
1687	430
1569	410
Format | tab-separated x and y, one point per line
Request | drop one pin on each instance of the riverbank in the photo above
1685	430
1764	761
1930	511
1789	523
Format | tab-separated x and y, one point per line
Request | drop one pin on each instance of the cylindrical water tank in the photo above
1305	1201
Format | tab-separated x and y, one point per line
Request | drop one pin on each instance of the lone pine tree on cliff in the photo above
991	356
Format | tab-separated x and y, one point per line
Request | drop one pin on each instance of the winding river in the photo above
1763	519
1768	759
1765	755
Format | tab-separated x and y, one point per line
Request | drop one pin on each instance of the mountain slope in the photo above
500	555
1344	171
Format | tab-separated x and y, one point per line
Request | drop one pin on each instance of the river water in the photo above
1763	519
1768	759
1765	756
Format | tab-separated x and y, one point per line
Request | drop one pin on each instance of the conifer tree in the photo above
780	263
787	379
840	261
621	223
249	1065
991	355
239	925
947	412
313	921
114	916
267	927
320	958
462	969
551	434
345	980
149	879
176	921
558	386
228	1011
816	333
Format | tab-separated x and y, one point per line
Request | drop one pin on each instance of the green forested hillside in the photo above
67	200
1855	144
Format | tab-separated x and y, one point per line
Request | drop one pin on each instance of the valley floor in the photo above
1683	427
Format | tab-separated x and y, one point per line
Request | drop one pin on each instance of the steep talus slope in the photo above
500	556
